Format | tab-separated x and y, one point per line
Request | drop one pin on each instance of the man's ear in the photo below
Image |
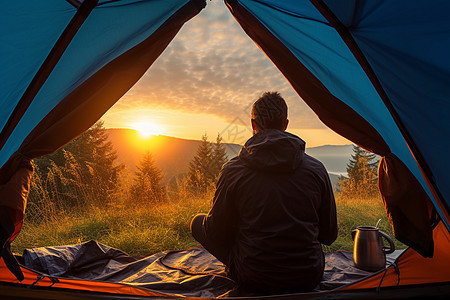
285	126
254	126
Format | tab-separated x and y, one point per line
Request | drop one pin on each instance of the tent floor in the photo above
158	274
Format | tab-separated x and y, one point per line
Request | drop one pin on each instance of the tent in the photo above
376	72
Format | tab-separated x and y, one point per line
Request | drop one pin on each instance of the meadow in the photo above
141	229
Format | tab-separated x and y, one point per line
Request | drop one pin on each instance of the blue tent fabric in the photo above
98	41
22	51
409	60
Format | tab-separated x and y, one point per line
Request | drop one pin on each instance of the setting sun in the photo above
147	129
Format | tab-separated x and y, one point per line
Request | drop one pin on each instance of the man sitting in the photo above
272	209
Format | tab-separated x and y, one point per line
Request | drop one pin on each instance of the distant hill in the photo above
172	155
334	157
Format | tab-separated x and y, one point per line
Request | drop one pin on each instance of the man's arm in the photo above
221	222
327	215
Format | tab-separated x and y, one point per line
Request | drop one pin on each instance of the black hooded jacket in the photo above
273	207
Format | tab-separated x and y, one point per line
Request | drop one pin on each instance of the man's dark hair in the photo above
270	111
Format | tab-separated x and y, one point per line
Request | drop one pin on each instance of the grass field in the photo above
136	228
145	228
354	212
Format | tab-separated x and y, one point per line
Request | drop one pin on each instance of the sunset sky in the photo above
206	81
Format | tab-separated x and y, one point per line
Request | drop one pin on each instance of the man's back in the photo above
282	204
272	208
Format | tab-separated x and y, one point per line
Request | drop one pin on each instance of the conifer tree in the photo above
102	159
147	184
201	169
219	156
96	156
362	174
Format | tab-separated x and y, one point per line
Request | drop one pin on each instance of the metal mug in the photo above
369	253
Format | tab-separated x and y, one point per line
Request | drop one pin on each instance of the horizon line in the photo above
192	139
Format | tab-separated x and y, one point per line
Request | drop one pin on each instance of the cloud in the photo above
213	67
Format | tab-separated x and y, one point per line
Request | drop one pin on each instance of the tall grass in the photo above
121	222
359	211
62	210
135	230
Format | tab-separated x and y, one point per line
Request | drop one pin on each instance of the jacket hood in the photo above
273	150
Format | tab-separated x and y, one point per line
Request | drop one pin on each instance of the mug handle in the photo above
391	243
353	234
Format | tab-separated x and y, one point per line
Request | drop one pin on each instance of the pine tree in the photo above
147	184
101	159
219	156
97	159
359	152
362	174
201	169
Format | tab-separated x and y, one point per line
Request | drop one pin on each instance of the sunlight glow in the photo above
147	129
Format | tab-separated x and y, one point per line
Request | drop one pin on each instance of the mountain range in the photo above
172	155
